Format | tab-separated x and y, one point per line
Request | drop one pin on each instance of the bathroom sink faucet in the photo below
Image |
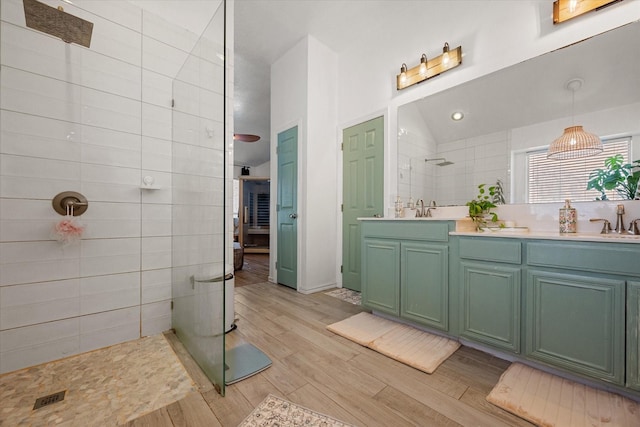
619	221
432	205
633	227
606	227
420	210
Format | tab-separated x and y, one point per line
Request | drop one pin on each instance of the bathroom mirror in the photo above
513	111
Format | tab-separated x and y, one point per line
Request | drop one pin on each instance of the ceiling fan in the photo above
245	137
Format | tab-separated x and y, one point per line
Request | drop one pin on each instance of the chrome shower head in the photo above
444	162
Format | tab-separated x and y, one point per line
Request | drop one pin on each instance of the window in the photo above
556	180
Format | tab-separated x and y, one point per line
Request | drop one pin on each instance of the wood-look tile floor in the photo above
255	269
329	374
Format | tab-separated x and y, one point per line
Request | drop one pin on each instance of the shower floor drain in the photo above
50	399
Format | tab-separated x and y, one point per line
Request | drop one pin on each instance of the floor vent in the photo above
50	399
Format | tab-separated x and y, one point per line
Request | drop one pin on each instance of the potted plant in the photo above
618	176
480	207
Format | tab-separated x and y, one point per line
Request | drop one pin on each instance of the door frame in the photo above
273	238
388	160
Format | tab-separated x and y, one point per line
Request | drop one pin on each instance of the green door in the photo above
287	208
362	191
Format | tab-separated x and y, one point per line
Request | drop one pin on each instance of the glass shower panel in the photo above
198	216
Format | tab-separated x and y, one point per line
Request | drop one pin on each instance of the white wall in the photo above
308	72
320	192
288	109
95	121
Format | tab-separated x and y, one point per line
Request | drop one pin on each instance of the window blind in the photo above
556	180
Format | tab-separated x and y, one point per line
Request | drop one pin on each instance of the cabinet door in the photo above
576	322
633	342
491	304
381	275
424	284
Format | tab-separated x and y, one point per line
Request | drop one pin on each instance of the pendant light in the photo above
574	142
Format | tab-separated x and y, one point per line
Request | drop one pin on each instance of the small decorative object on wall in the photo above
563	10
428	68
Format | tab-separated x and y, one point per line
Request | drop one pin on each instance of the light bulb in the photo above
403	73
445	55
423	65
573	4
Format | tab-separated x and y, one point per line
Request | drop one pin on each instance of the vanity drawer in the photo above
491	249
596	257
437	231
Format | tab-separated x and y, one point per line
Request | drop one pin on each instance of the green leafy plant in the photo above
480	207
618	176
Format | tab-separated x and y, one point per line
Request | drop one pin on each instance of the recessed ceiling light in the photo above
457	116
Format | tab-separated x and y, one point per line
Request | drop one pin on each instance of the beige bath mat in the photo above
548	400
362	328
416	348
411	346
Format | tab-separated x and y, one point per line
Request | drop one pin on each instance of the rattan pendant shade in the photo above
575	143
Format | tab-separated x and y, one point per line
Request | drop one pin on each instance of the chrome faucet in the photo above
432	205
420	210
619	221
633	227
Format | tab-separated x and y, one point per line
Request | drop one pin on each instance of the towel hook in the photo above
70	201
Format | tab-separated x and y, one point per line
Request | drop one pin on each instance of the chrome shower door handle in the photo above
293	216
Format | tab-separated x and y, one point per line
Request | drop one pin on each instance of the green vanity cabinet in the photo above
424	284
575	304
381	275
576	321
490	281
405	270
633	341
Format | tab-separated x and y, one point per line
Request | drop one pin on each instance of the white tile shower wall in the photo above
478	160
96	121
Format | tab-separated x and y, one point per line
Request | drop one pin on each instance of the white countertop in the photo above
411	219
549	235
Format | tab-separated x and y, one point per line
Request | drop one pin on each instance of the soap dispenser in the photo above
568	218
399	208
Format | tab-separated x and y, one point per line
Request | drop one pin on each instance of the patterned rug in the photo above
347	295
109	386
273	411
551	401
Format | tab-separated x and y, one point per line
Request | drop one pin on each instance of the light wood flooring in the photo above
331	375
255	269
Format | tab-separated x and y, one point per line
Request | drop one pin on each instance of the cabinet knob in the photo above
293	216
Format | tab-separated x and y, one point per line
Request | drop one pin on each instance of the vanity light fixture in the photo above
574	142
564	10
429	68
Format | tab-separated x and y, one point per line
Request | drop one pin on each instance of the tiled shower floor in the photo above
105	387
